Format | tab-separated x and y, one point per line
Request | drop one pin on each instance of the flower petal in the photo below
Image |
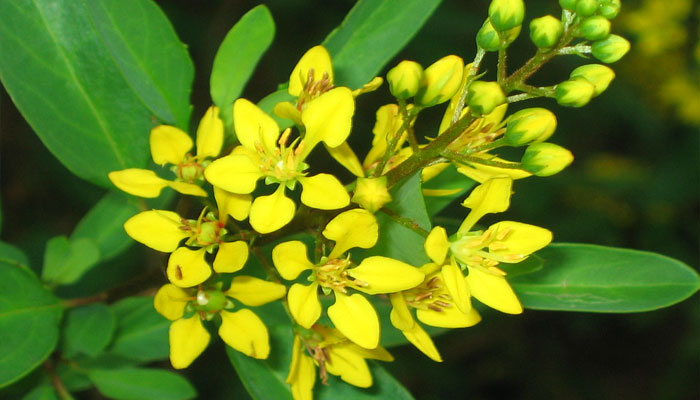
236	173
290	259
233	204
494	291
449	317
138	182
170	301
400	315
514	241
187	268
270	213
328	118
355	318
289	111
244	331
316	59
456	286
482	173
169	145
231	256
188	339
323	191
303	304
349	366
490	197
353	228
187	188
253	127
157	229
347	158
386	275
436	245
254	291
419	338
210	134
302	373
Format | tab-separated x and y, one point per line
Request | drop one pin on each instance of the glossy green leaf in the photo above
141	383
87	330
372	33
237	57
42	392
582	277
29	322
12	255
149	55
65	261
451	182
531	264
142	333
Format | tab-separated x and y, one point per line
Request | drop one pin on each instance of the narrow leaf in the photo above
141	383
87	330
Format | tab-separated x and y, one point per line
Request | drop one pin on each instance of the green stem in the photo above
476	160
406	222
480	53
411	135
501	68
61	389
394	140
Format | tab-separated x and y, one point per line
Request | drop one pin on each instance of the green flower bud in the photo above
210	300
586	8
546	31
488	38
530	125
598	75
610	8
483	97
594	28
568	4
575	92
404	79
440	81
545	159
506	14
610	49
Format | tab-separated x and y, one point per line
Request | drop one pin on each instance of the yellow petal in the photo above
236	173
482	173
400	315
270	213
187	268
231	256
302	373
289	111
245	332
188	339
303	304
490	197
157	229
187	188
253	126
170	301
436	245
138	182
449	317
233	204
328	118
514	241
456	286
349	366
316	59
169	145
432	171
494	291
419	338
323	191
290	259
355	318
210	134
347	158
377	353
353	228
386	275
254	291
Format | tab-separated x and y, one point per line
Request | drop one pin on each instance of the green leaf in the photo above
372	33
12	255
582	277
237	57
531	264
142	333
29	320
148	53
104	223
87	330
42	392
141	383
65	261
448	180
268	103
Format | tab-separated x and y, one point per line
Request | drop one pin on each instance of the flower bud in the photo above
488	38
586	8
575	92
568	4
530	125
545	159
404	79
506	14
598	75
610	49
440	81
609	8
371	193
594	28
483	97
546	31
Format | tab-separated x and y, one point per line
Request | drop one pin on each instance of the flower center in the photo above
431	295
189	170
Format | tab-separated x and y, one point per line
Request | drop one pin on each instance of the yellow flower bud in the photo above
546	31
404	79
483	97
576	92
488	38
440	81
545	159
586	8
506	14
371	193
610	8
594	28
598	75
611	49
531	124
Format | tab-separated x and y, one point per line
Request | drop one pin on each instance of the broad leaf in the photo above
65	261
448	186
87	330
141	383
142	333
12	255
29	321
581	277
42	392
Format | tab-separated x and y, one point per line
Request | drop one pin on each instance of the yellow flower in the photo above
242	330
170	145
352	314
334	354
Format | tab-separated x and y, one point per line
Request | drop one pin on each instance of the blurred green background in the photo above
634	184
